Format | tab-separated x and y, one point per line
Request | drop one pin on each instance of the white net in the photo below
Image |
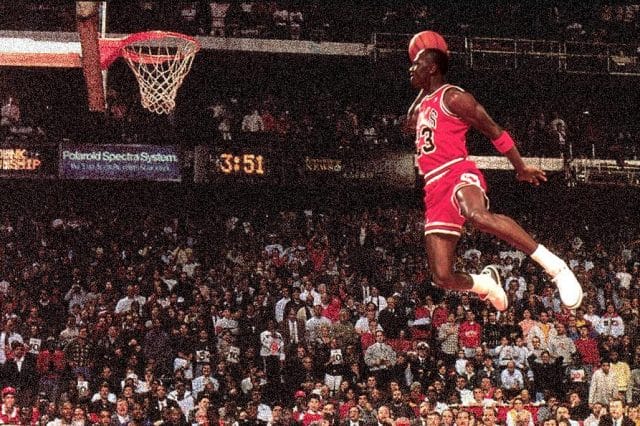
160	65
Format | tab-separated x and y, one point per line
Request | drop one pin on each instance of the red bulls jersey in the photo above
440	135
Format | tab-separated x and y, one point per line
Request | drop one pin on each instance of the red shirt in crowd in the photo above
439	317
588	348
470	334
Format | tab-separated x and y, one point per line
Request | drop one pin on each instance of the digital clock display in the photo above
248	164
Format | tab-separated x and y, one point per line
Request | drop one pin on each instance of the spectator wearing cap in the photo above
299	405
421	364
9	411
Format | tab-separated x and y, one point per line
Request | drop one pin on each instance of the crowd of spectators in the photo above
317	20
158	305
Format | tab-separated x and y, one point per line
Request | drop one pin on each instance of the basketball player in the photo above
455	188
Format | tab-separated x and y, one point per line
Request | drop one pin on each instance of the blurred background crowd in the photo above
155	304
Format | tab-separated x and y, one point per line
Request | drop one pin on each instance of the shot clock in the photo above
237	164
247	164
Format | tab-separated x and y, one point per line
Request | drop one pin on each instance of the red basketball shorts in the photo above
442	212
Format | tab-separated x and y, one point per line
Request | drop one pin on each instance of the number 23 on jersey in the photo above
425	143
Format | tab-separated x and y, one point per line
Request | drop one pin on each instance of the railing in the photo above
536	55
607	172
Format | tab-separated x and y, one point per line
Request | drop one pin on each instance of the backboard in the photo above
62	50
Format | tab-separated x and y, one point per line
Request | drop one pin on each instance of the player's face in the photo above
421	70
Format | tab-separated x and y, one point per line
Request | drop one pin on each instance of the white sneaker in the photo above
496	295
569	288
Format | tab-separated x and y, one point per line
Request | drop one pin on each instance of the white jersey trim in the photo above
442	231
428	177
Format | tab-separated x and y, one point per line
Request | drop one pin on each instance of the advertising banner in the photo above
29	162
120	162
385	168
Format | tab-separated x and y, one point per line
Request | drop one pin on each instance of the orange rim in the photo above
111	49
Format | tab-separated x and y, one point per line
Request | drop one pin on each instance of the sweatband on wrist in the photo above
504	142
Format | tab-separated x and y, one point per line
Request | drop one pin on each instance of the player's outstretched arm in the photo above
465	106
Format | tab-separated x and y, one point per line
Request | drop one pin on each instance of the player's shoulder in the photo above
451	91
456	100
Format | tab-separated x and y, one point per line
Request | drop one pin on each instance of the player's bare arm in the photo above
465	106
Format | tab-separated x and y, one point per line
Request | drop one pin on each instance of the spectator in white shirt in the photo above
280	305
376	299
611	324
512	379
314	323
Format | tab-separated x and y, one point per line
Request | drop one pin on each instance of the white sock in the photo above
551	263
482	283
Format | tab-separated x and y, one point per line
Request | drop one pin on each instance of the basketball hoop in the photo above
160	60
